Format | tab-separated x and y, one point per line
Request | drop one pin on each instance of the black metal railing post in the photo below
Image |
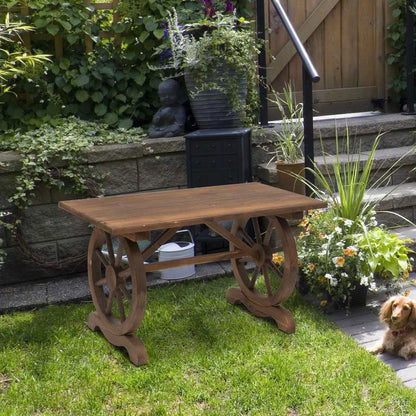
308	126
263	113
410	56
309	75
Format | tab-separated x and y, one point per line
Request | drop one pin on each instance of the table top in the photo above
146	211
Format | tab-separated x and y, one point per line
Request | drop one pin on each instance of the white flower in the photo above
364	281
338	230
348	222
332	281
340	244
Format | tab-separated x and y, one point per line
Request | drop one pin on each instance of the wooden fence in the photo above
346	41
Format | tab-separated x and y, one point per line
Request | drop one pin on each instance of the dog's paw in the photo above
376	350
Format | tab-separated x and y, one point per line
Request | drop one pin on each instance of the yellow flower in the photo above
304	223
301	235
311	267
349	251
322	279
340	261
323	303
277	258
406	293
405	275
322	236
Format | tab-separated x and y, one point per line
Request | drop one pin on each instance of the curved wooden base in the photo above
283	318
133	345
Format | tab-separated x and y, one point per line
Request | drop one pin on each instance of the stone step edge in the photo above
371	124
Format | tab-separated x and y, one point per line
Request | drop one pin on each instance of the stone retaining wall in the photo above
53	235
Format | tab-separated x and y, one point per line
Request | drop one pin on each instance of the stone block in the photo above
17	268
112	152
49	223
74	248
267	173
162	173
10	161
7	189
164	145
122	176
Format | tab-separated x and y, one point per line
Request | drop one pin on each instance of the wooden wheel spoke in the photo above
254	277
267	281
110	248
100	282
276	269
248	239
125	292
109	306
120	306
268	234
244	259
257	232
119	256
124	274
101	256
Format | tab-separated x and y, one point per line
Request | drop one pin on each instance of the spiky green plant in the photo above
346	177
14	60
287	145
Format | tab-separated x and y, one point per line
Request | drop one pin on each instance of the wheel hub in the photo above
111	277
258	254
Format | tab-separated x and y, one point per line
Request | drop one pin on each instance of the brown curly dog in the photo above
399	313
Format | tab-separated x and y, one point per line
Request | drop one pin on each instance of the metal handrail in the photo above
306	60
310	74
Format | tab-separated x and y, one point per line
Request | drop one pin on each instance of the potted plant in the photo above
286	147
341	259
343	250
218	57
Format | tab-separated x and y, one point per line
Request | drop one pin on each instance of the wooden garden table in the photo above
117	267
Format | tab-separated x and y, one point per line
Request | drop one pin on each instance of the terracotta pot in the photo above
285	178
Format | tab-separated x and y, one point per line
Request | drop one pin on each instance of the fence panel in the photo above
346	41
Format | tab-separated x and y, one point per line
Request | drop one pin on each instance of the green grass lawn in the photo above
206	357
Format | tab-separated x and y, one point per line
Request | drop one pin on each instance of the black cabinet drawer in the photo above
218	157
216	162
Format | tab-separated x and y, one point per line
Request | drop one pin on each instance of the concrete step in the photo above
397	131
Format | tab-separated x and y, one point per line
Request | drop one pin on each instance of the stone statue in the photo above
169	120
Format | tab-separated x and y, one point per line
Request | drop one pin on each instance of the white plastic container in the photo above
177	250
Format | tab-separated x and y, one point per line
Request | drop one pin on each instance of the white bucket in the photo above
177	250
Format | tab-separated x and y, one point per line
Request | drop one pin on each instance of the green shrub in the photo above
113	84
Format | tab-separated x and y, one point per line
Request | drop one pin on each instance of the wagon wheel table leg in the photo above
263	285
117	280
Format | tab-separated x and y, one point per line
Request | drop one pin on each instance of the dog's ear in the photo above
386	310
412	316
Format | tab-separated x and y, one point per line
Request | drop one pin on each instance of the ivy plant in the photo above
396	35
55	155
